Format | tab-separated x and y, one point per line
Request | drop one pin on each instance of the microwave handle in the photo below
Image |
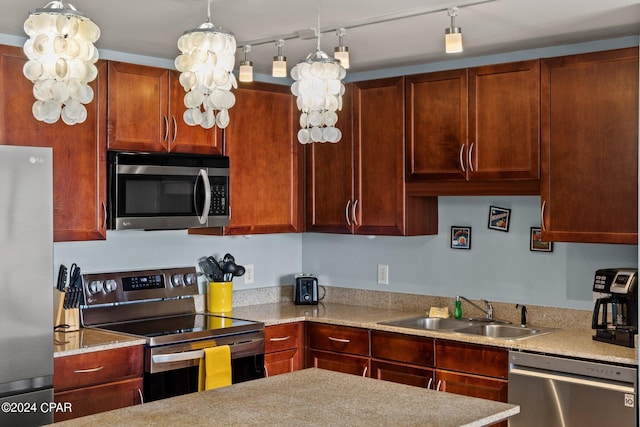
207	196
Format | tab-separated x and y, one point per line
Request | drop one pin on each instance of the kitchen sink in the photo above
482	327
430	323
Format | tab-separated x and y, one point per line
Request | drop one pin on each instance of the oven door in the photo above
172	370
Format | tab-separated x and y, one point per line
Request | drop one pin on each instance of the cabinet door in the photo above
473	359
504	122
402	373
472	385
99	398
338	362
79	151
436	126
184	138
138	107
590	147
329	183
403	348
282	362
378	108
265	162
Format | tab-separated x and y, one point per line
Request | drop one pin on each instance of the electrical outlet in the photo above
383	274
248	273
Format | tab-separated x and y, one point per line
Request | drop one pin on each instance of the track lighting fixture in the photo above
341	52
453	34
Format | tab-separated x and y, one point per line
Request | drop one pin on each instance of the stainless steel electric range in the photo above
159	306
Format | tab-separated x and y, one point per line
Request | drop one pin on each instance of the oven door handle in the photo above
178	357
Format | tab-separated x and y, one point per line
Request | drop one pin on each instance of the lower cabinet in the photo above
98	381
405	359
338	348
283	348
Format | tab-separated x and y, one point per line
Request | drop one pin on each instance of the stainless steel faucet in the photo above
487	311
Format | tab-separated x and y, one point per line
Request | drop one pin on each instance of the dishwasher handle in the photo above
591	382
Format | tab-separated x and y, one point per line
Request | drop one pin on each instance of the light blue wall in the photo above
498	267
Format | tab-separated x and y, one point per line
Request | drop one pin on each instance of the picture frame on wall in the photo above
499	218
460	237
536	244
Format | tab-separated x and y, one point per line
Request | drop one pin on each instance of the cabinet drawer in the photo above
473	359
99	398
97	367
341	339
402	348
282	337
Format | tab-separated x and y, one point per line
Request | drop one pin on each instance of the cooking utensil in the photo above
74	296
207	270
240	270
62	278
218	275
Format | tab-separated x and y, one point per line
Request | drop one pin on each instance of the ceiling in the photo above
152	27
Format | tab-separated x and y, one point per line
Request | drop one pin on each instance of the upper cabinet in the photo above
474	131
79	151
590	147
146	113
266	191
357	185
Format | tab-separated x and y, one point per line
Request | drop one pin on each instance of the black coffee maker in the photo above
615	315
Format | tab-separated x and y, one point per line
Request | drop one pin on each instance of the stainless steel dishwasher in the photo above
559	392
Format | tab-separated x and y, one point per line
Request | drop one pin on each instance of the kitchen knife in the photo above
62	278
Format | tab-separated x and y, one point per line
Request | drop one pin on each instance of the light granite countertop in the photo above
563	342
87	340
311	397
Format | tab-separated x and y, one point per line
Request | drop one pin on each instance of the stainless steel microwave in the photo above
149	191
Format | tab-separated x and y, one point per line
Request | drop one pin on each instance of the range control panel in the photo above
128	286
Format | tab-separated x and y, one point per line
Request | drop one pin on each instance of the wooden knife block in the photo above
70	317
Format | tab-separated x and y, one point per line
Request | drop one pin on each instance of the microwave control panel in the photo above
219	186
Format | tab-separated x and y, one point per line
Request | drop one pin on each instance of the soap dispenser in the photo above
457	311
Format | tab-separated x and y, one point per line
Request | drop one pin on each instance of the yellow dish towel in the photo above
215	368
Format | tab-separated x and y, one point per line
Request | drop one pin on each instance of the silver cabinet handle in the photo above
166	128
438	386
470	156
276	339
429	384
104	213
341	340
141	397
88	371
266	371
460	157
544	204
175	129
353	212
364	374
346	213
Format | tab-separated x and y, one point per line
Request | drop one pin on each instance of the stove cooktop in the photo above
184	327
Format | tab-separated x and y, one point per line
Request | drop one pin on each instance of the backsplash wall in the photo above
499	266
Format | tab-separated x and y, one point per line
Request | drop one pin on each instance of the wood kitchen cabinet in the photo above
590	147
357	185
146	105
266	162
98	381
79	151
400	358
283	348
474	131
338	348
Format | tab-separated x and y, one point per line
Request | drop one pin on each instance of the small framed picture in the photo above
536	242
460	237
499	218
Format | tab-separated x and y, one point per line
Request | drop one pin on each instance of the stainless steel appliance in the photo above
615	314
167	191
561	392
158	305
26	281
306	289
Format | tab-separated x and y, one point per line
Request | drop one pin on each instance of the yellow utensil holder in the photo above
220	297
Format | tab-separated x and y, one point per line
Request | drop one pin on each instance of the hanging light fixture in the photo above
61	58
206	73
318	87
279	67
245	72
341	52
453	34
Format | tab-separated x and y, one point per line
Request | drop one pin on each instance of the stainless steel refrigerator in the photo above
26	285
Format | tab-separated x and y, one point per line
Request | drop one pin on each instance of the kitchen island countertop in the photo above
311	397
